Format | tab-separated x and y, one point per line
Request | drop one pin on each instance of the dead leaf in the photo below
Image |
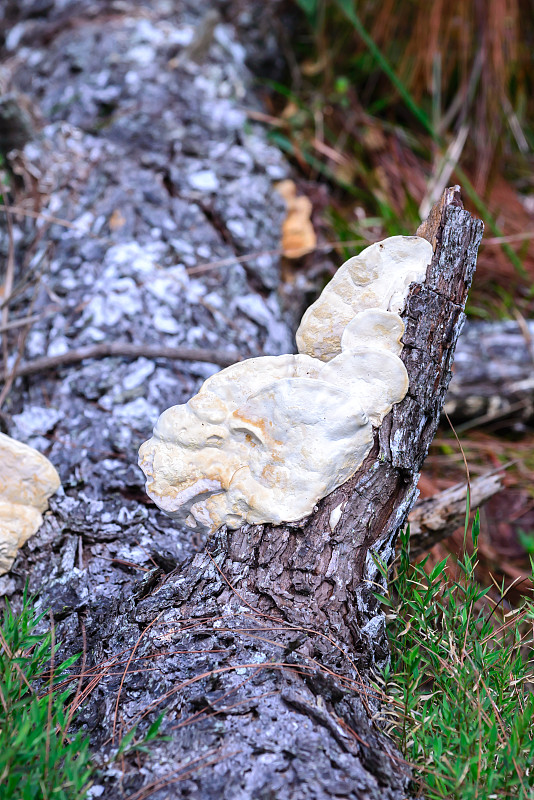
298	234
117	220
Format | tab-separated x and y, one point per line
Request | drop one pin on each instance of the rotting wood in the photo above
494	374
437	517
288	613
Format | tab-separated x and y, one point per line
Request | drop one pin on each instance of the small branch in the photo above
126	349
435	518
9	376
493	376
20	322
8	284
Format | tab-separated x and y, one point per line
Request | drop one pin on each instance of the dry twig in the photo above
126	349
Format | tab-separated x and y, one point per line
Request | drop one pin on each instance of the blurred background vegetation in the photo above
392	101
384	104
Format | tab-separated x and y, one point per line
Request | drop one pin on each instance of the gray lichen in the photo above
160	175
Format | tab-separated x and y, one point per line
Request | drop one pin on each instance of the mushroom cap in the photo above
26	476
197	447
314	434
236	383
377	278
17	523
374	328
265	439
27	480
288	444
376	378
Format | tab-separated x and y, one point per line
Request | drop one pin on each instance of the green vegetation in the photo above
392	101
460	682
38	759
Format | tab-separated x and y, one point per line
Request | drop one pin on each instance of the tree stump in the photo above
261	648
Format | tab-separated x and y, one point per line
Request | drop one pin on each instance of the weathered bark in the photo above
308	574
493	377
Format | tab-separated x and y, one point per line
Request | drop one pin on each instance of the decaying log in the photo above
277	627
493	373
435	518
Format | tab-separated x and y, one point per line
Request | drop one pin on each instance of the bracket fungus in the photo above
27	480
265	439
379	278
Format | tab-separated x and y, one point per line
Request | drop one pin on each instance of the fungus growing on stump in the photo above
265	439
27	480
286	615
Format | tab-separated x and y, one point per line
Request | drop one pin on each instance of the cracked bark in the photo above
277	627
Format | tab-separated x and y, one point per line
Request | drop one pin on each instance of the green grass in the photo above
38	757
460	682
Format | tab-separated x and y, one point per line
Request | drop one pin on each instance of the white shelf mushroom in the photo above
379	278
27	480
265	439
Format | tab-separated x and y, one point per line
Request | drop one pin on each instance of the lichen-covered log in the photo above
493	374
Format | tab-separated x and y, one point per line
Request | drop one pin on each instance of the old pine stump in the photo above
261	648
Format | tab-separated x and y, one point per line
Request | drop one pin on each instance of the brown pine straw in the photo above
166	780
138	642
214	712
107	665
301	669
307	630
296	669
80	679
